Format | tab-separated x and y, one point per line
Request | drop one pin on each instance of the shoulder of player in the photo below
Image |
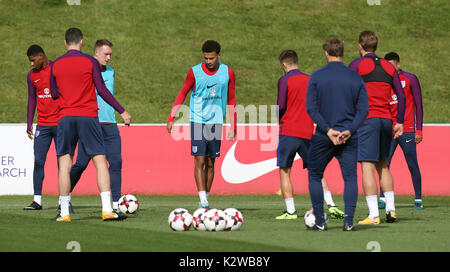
109	69
408	75
356	61
387	66
318	72
33	70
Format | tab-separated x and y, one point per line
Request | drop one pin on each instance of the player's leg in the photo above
386	179
326	193
387	184
288	194
368	154
114	157
287	149
91	137
42	141
347	157
370	190
198	151
66	142
332	208
408	146
320	154
393	147
209	174
80	165
213	136
200	180
65	164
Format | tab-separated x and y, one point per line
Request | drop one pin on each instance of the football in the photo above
180	219
234	219
197	220
215	220
310	219
128	204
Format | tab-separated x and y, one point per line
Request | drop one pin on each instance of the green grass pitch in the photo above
148	231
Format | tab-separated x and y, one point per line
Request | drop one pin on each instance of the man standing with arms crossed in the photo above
337	102
296	130
212	87
375	134
74	78
108	124
48	116
412	128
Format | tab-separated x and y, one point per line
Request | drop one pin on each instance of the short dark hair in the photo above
35	50
392	56
73	35
102	42
334	47
289	57
368	40
211	46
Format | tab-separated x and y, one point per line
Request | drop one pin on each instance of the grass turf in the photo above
156	42
148	231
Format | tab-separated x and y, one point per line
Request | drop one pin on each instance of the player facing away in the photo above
376	132
295	129
47	120
74	78
108	125
212	87
337	102
412	128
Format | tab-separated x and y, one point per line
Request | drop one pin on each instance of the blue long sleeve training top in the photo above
337	98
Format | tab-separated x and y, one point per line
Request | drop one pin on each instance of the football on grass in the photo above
128	204
215	220
234	219
180	219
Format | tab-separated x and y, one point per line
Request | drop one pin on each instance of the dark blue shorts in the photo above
206	139
85	129
374	139
288	147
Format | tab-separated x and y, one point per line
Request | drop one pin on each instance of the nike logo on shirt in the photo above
210	86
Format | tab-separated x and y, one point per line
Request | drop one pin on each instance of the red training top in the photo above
413	107
74	78
39	95
294	120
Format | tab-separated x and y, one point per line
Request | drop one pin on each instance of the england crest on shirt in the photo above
403	83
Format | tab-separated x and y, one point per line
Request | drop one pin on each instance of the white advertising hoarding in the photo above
16	160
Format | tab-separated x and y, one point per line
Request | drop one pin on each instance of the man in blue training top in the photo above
212	87
337	102
107	119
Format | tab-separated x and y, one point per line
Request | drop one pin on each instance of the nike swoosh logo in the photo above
210	86
37	80
409	140
235	172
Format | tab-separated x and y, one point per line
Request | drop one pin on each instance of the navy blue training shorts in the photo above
374	139
206	139
288	146
86	129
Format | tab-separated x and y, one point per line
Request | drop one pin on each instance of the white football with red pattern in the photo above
180	219
215	220
234	219
128	204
